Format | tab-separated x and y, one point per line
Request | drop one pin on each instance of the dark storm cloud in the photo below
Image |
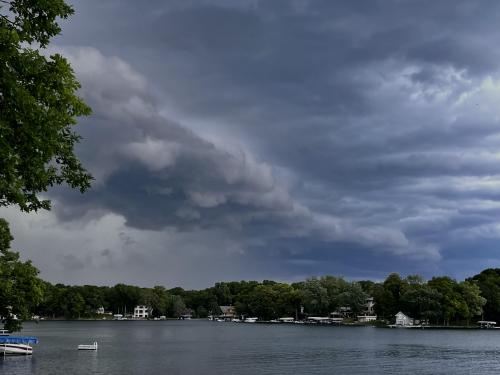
164	175
312	136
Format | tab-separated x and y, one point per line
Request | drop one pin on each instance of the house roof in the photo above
226	309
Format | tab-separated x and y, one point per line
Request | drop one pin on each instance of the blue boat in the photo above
17	345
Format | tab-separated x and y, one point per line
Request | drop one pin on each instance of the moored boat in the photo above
10	345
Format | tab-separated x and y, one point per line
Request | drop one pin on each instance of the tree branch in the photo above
7	19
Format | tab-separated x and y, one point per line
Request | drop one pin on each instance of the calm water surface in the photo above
202	347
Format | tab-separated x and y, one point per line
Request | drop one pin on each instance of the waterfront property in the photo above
403	320
369	313
370	306
142	312
227	313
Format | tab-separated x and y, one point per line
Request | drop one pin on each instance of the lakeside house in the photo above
227	312
142	312
101	311
403	320
370	306
343	312
369	313
186	314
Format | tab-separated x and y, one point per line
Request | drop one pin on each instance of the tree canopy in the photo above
20	288
38	106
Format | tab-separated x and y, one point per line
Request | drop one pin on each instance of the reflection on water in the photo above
202	347
16	365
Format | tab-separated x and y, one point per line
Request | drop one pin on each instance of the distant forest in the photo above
441	300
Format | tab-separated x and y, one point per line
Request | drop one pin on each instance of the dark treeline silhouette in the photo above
440	300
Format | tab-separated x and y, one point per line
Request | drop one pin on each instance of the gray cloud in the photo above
299	137
167	176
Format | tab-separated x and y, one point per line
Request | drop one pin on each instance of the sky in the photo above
247	139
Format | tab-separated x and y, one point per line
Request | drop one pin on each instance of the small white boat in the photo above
4	332
88	347
251	320
10	345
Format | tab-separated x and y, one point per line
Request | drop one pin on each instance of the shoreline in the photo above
352	325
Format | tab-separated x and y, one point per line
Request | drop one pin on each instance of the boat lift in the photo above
14	345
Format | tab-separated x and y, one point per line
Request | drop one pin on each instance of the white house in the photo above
369	313
369	306
142	312
403	320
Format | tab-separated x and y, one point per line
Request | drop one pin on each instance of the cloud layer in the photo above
295	137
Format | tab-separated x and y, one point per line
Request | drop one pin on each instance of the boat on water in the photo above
251	320
11	345
4	332
93	346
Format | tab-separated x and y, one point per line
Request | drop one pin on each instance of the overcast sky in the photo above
278	140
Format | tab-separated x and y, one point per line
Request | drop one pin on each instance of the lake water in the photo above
203	347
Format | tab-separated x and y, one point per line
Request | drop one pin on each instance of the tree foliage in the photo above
38	106
442	300
20	288
488	282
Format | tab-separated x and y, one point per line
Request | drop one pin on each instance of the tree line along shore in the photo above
438	301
